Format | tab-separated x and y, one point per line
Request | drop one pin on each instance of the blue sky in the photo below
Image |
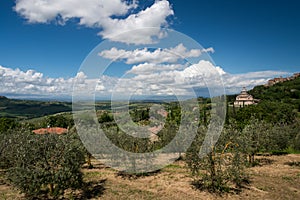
248	37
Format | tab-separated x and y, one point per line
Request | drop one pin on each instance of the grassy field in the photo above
277	177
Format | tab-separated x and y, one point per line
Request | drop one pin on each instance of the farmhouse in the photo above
244	99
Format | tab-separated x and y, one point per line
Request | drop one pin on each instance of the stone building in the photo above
244	99
274	81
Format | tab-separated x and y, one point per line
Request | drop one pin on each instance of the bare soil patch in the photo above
277	177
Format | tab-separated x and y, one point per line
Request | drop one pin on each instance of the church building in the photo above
244	99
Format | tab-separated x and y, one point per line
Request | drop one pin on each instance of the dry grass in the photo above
276	178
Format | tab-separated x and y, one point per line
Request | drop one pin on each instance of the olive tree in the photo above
258	137
222	166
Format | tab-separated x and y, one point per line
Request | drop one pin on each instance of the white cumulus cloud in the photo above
115	18
30	82
167	55
235	82
150	68
173	79
90	12
154	16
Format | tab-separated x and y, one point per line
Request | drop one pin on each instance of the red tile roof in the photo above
52	130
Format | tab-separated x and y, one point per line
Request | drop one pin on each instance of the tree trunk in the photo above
89	161
212	169
51	189
251	158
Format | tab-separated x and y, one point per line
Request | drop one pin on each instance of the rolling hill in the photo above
24	109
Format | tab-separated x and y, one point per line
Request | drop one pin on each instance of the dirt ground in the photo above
277	177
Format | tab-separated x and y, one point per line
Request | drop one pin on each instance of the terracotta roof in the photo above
162	113
52	130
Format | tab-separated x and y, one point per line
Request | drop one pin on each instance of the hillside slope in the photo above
279	103
14	108
287	92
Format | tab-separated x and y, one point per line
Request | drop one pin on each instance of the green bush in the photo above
7	124
44	165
